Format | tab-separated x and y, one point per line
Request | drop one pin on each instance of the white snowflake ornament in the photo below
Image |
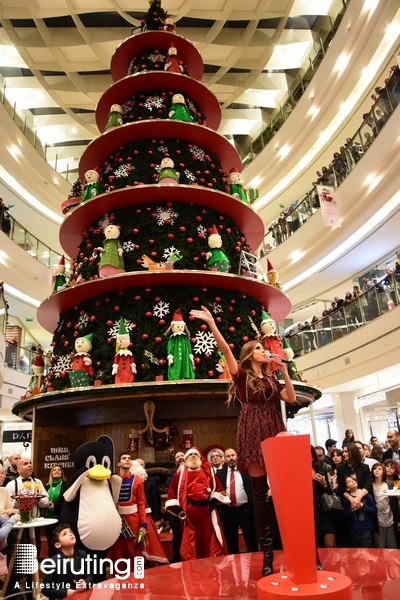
166	214
205	343
161	309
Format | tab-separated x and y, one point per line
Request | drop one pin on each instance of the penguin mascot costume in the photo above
90	502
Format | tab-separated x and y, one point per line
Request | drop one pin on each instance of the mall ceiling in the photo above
55	58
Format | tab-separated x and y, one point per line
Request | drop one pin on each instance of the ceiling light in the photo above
284	151
369	179
74	129
20	295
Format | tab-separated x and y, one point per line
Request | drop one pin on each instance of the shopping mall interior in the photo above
297	82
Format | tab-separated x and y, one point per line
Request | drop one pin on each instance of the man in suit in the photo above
393	438
240	512
152	494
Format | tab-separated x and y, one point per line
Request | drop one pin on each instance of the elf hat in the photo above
177	318
88	338
96	170
270	267
38	362
62	261
285	344
234	170
122	332
171	48
214	230
265	318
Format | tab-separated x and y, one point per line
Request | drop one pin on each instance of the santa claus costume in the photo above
192	496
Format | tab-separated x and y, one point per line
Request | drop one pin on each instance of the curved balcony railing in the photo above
27	241
343	163
371	304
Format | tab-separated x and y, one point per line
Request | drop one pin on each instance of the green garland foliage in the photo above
140	307
138	162
143	229
156	104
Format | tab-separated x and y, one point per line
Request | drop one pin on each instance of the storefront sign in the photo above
370	399
17	436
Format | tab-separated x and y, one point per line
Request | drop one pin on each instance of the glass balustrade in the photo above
27	241
374	302
343	163
21	359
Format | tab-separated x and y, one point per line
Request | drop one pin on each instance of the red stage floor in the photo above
375	575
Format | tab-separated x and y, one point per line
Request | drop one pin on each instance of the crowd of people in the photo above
376	296
212	499
385	99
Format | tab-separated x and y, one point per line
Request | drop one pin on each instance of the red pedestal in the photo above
295	513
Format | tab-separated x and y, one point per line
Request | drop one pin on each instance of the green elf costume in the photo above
216	259
82	372
180	357
179	111
59	280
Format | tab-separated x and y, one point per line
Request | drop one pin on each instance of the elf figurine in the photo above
179	111
114	117
111	261
35	385
173	64
167	173
169	25
272	275
92	187
216	258
124	367
59	280
292	369
180	357
269	339
236	189
82	372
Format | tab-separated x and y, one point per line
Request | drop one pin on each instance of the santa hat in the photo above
265	318
172	47
95	170
193	450
122	332
62	261
234	170
214	230
177	318
270	267
38	362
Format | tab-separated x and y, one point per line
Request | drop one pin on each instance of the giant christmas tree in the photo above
161	177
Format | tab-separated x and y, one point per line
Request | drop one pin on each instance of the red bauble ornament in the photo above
116	308
137	297
135	231
211	373
189	240
230	308
109	341
171	236
238	320
231	330
145	336
245	339
195	299
232	346
69	324
197	360
63	374
158	340
66	343
151	242
203	327
93	318
218	319
161	322
193	340
153	254
182	229
149	314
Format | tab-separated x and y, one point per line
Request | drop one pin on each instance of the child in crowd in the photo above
361	519
386	507
71	577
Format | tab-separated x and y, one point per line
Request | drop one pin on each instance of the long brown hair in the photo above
255	383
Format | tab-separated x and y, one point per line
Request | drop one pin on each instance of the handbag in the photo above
330	502
3	565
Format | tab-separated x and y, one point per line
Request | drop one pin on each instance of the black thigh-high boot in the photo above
262	521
